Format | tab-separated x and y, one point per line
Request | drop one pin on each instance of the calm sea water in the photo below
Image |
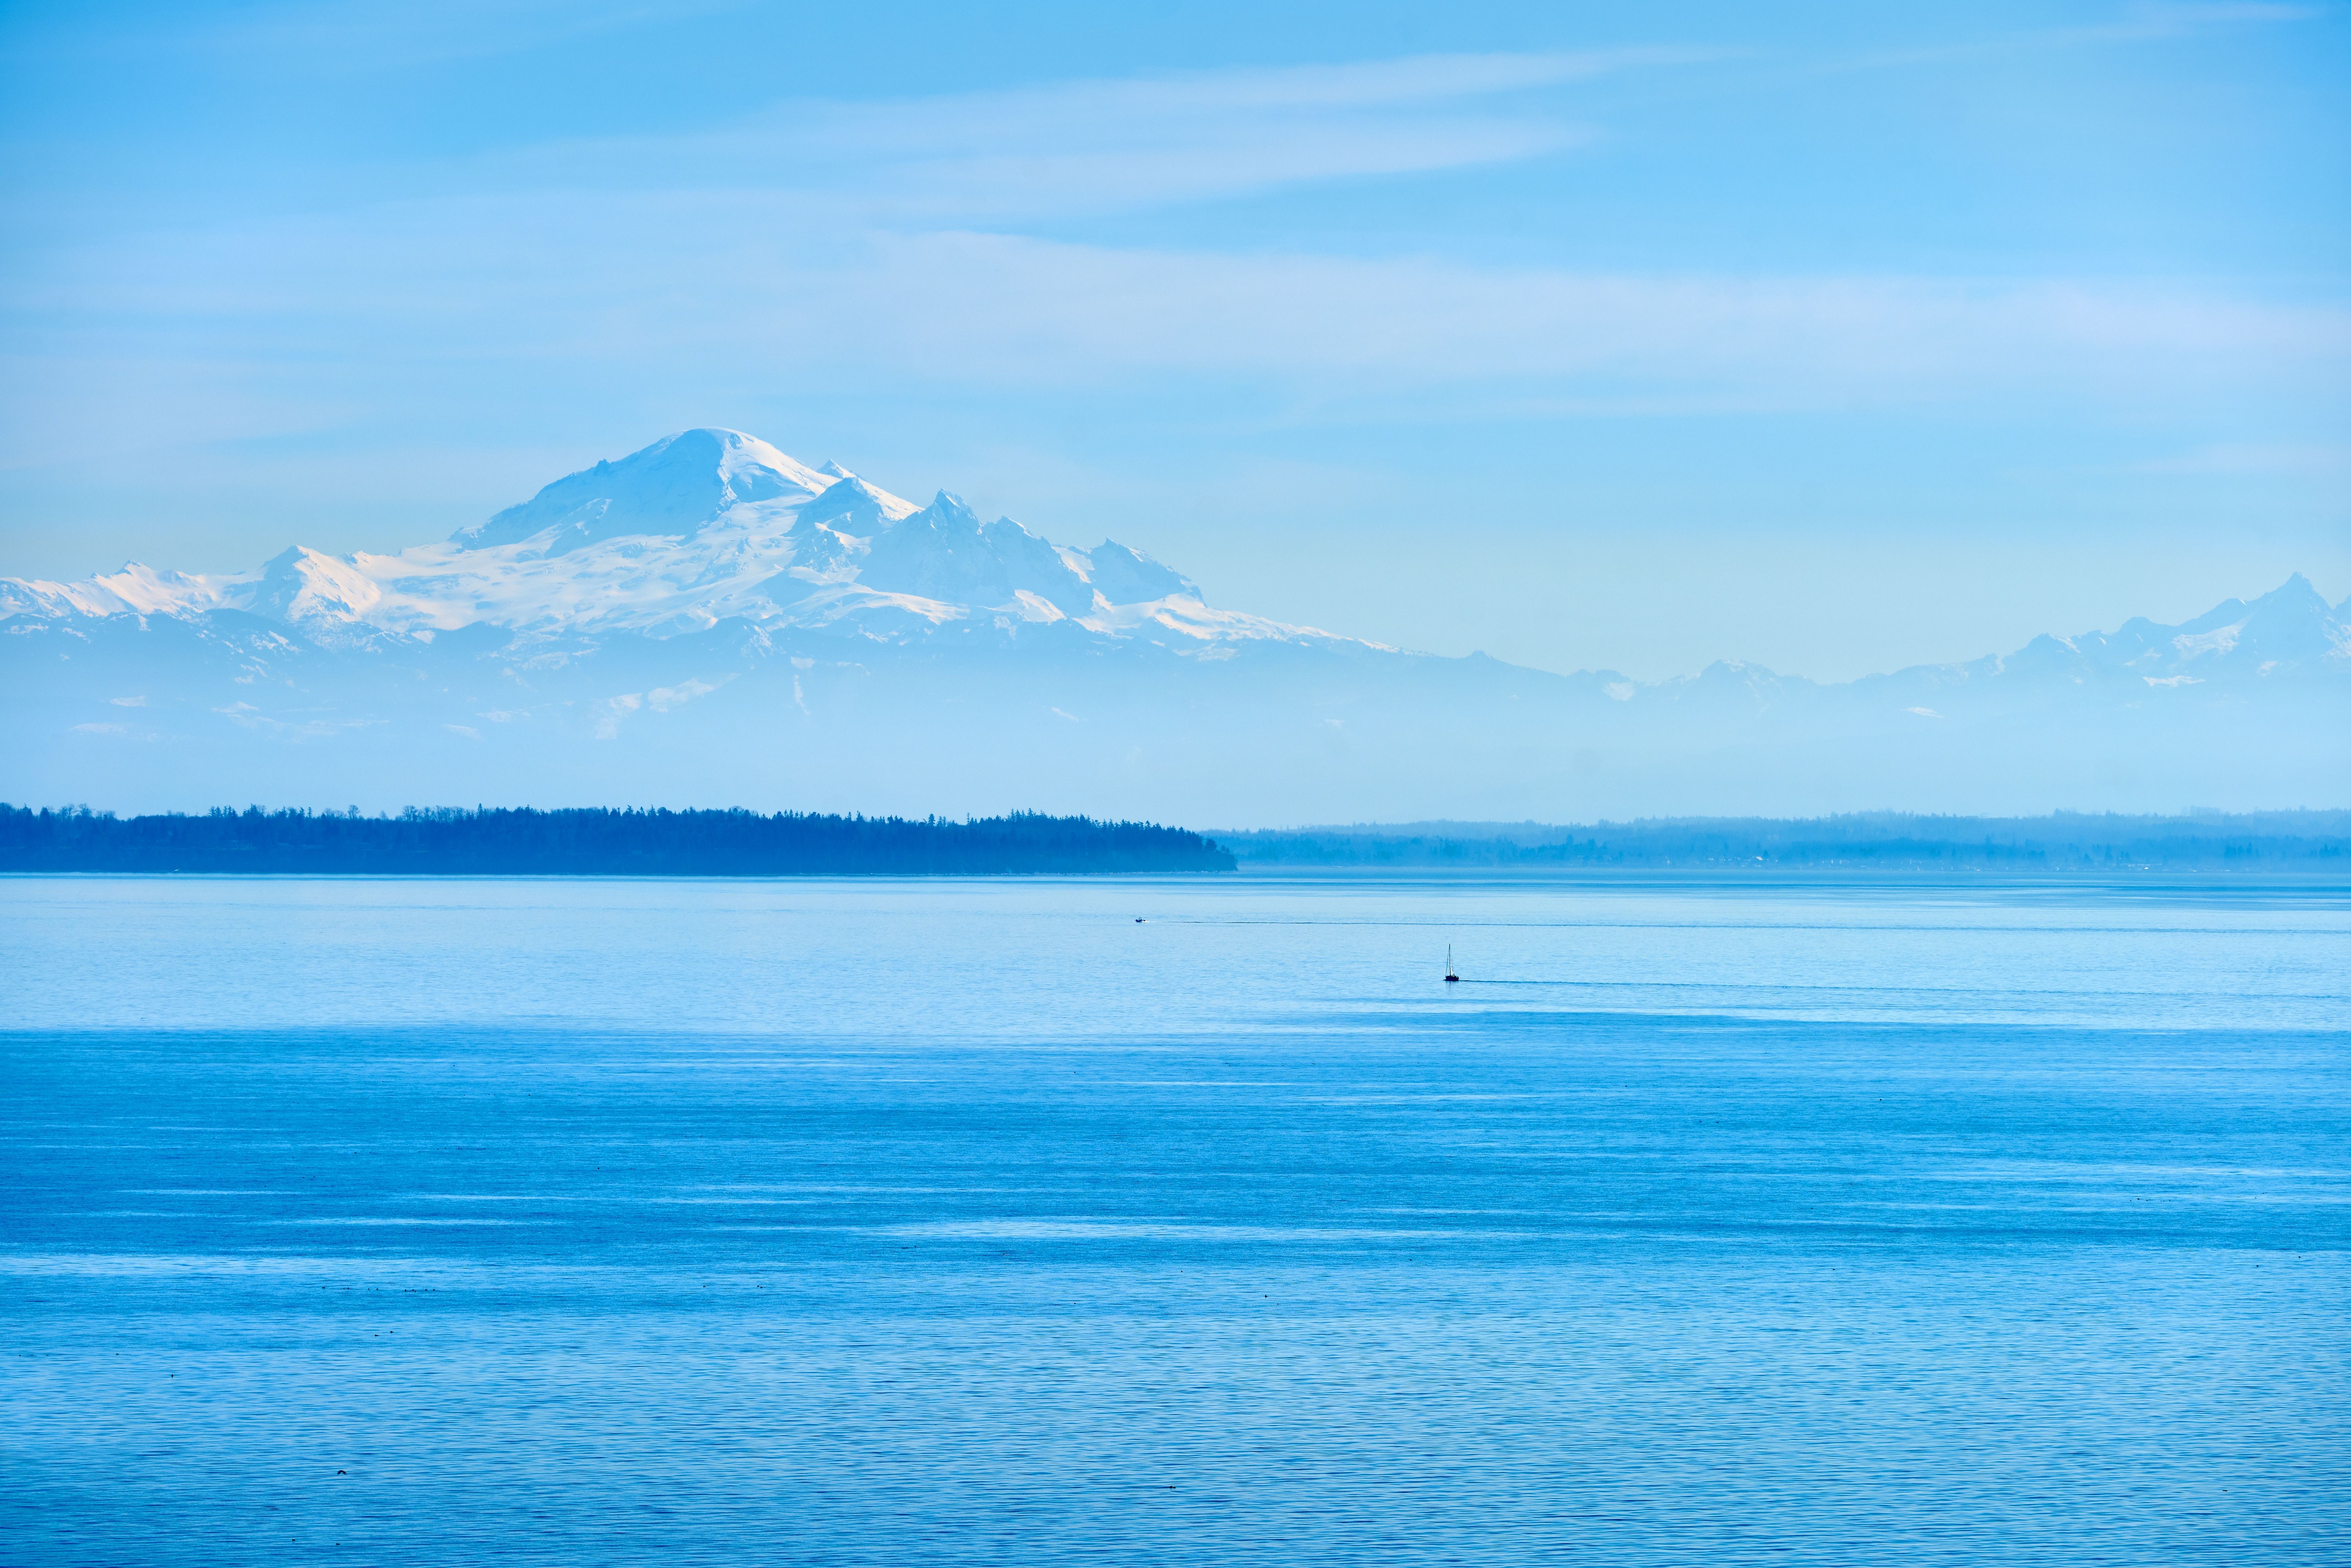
556	1222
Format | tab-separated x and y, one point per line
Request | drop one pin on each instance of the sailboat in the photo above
1450	977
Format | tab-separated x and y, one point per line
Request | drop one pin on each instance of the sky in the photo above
1833	337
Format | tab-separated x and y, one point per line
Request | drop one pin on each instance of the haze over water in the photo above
844	1223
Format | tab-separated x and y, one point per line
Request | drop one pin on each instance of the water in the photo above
549	1222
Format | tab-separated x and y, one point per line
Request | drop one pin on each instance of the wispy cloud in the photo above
1101	145
1023	308
725	290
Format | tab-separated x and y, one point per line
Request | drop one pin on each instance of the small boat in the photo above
1450	977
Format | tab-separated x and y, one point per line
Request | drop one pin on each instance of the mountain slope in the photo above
710	620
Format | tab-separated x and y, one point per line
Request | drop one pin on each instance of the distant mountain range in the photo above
711	621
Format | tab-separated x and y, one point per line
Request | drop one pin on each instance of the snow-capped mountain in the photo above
711	620
699	527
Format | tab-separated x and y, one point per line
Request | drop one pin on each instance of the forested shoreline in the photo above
590	841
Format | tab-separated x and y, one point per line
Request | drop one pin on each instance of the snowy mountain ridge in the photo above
700	527
711	524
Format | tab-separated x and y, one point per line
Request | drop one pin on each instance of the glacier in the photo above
711	621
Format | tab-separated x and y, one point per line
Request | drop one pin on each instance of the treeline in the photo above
2283	841
453	842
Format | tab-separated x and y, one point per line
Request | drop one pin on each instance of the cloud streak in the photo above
1097	146
1022	307
676	289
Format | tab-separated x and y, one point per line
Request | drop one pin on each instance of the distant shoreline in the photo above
452	842
1877	841
605	843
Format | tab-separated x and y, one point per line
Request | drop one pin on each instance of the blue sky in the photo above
1835	337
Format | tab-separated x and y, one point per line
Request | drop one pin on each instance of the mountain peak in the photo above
671	488
308	587
1124	575
850	506
2295	589
947	503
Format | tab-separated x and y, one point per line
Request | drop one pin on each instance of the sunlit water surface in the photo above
912	1222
